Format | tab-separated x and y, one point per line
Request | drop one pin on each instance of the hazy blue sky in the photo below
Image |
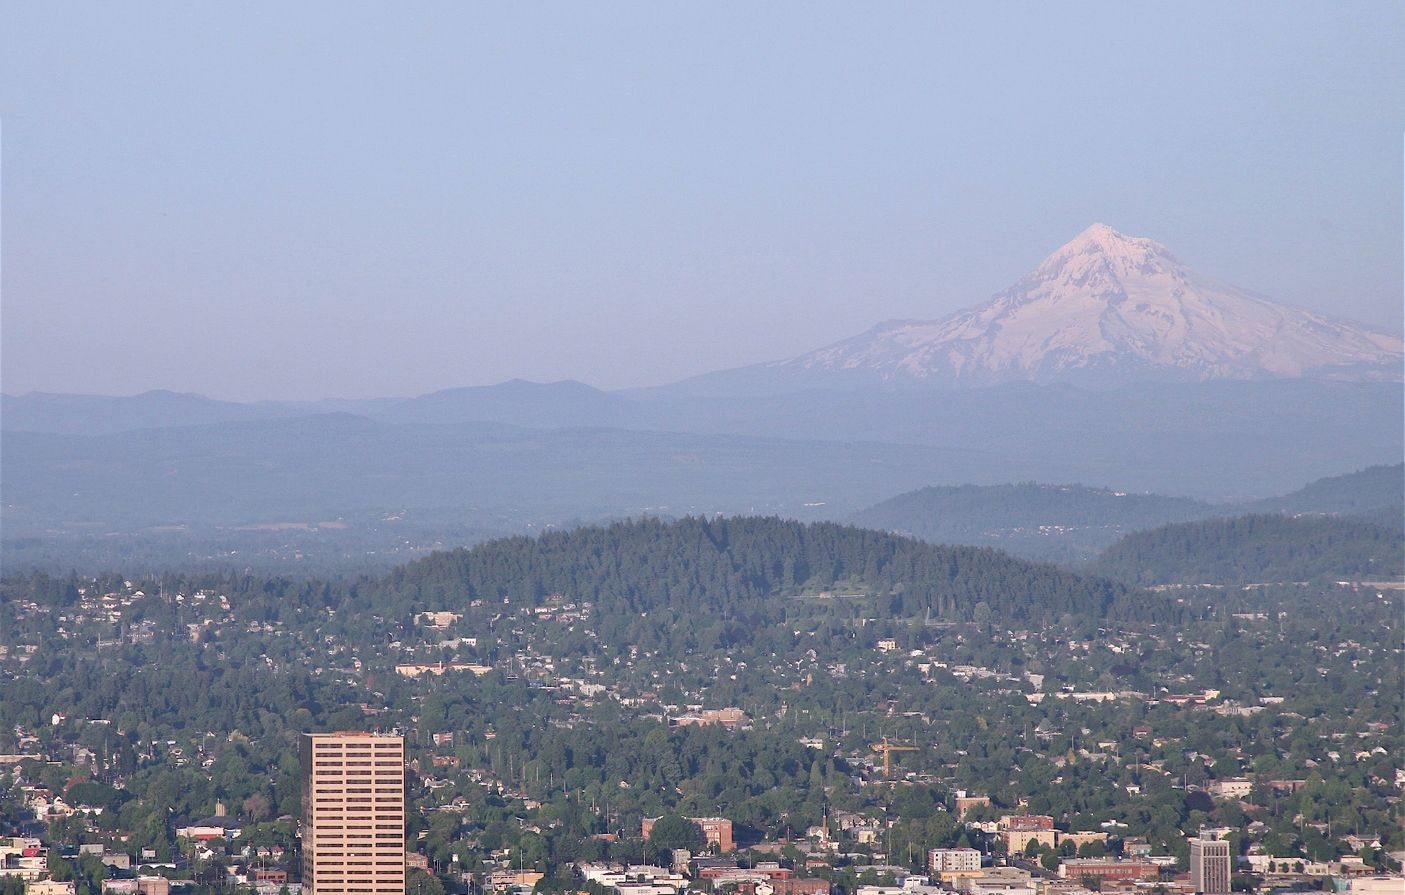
310	200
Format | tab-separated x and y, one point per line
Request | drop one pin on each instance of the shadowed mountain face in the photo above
1104	310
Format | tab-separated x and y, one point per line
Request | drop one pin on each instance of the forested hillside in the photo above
733	567
1256	548
1073	524
1358	493
1389	517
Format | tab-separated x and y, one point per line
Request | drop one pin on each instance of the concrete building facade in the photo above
1209	865
953	860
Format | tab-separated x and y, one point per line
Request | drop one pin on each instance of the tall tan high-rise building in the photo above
353	830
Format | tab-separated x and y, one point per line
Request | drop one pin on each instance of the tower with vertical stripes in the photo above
353	829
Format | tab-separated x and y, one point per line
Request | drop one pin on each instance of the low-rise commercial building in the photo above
1107	869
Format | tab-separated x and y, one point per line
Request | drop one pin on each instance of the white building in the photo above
634	879
912	885
1232	787
953	860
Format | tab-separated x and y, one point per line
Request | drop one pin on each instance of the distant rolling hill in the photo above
1072	524
740	568
1066	524
1217	441
326	466
1369	491
1256	549
517	402
552	405
60	414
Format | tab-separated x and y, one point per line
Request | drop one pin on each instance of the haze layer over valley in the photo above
1111	364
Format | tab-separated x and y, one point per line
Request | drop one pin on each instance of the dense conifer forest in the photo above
731	566
1256	548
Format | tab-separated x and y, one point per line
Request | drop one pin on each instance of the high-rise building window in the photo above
325	796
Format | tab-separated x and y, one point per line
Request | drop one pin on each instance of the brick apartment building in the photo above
716	830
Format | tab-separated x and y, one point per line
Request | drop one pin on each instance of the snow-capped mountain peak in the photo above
1101	251
1107	308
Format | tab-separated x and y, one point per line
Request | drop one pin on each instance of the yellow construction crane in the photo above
888	749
